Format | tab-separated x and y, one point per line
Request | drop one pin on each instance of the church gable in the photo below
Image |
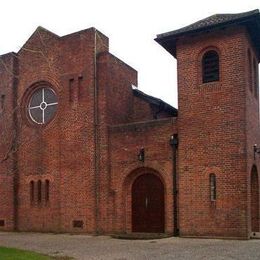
37	41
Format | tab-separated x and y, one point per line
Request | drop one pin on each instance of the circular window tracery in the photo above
42	105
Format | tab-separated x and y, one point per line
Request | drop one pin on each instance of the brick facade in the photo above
216	138
76	173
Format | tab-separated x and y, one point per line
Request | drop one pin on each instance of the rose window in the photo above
43	105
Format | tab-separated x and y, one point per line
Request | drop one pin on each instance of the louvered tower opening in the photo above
210	67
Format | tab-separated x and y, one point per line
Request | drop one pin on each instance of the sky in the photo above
131	26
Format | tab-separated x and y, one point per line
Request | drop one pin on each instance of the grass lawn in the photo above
17	254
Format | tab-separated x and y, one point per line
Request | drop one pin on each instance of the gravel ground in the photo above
104	247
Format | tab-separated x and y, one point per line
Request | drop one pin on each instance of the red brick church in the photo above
83	150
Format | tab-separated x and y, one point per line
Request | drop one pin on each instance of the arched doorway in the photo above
254	200
148	204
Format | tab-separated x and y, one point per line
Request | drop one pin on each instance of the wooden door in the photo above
148	204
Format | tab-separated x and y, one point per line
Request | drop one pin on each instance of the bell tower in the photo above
218	123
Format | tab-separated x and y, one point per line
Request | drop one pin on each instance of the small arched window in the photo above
32	191
47	191
213	187
210	66
39	197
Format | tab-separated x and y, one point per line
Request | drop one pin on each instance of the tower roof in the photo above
250	19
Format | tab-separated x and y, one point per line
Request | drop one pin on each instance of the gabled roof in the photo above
250	19
36	35
163	106
40	31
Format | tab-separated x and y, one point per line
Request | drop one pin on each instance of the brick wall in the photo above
72	152
213	136
116	105
125	144
252	131
62	151
8	165
88	152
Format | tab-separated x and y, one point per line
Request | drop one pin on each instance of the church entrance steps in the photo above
141	236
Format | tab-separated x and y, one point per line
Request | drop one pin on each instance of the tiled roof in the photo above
249	19
216	19
156	102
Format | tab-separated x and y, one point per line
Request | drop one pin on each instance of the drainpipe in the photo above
174	145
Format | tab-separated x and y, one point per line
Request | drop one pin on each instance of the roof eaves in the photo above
168	40
155	101
190	28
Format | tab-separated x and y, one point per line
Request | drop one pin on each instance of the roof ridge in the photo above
41	28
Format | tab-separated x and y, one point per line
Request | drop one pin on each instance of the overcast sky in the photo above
131	26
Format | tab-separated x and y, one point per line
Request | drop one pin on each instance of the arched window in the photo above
47	190
210	66
213	187
32	191
39	197
250	69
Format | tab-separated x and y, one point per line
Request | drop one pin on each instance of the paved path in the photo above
104	247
